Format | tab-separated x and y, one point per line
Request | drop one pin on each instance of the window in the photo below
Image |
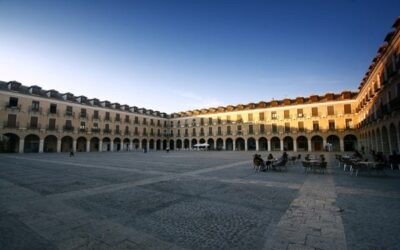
136	131
286	114
301	126
12	121
228	130
35	106
210	131
179	132
96	114
349	123
347	109
52	124
126	129
274	128
201	131
186	132
68	111
219	120
68	124
261	116
273	115
194	131
228	119
315	126
330	110
117	117
83	113
314	111
13	102
127	119
137	121
262	128
219	131
34	122
251	129
83	126
210	121
299	113
145	122
194	122
287	127
95	125
239	118
331	124
117	129
53	108
202	121
250	117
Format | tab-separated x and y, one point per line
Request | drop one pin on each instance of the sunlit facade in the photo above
36	120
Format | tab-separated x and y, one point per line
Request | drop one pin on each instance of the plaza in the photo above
191	200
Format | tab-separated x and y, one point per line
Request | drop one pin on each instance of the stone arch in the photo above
66	144
135	144
171	144
50	144
144	144
251	143
385	141
202	140
220	144
350	142
210	142
151	144
179	144
373	140
263	144
317	143
393	138
378	140
158	144
106	144
194	142
275	144
164	144
94	144
229	144
334	141
126	144
9	143
302	143
288	143
81	144
240	144
117	144
31	143
186	144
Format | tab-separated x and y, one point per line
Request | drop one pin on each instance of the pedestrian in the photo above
71	153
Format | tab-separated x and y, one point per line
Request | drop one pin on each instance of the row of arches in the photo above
384	138
50	143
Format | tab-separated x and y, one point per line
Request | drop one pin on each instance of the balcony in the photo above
33	126
52	112
210	134
117	132
127	120
186	135
144	123
16	108
35	110
69	114
82	130
83	116
239	133
136	122
68	129
9	124
201	133
117	120
136	133
107	119
51	128
95	130
144	134
151	134
106	131
96	118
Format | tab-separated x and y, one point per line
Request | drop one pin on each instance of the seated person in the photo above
259	162
269	160
357	155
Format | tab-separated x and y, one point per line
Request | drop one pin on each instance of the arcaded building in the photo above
37	120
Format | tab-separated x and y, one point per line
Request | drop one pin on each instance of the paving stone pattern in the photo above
190	200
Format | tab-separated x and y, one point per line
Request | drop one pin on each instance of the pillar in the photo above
269	145
309	145
130	145
323	143
74	145
41	144
294	145
100	145
215	144
147	145
257	146
223	144
58	145
21	146
282	145
245	145
234	144
88	146
341	143
112	146
141	146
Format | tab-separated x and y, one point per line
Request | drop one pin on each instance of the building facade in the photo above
36	120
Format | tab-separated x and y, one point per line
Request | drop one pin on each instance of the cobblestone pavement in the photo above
190	200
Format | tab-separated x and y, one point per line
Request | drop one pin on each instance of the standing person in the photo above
71	153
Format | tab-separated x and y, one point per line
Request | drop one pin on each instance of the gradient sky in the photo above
179	55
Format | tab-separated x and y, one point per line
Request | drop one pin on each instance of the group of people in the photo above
269	163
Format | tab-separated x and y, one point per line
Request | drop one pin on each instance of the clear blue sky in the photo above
179	55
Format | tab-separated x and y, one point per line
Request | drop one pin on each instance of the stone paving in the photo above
190	200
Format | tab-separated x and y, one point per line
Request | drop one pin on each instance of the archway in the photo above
288	143
158	144
240	144
373	141
302	143
106	144
220	144
81	144
135	144
94	144
151	144
385	141
251	144
171	144
202	141
194	142
179	144
50	144
9	143
186	144
126	144
317	143
229	144
378	140
164	143
393	138
263	144
334	143
350	142
66	144
275	144
210	142
144	144
117	144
